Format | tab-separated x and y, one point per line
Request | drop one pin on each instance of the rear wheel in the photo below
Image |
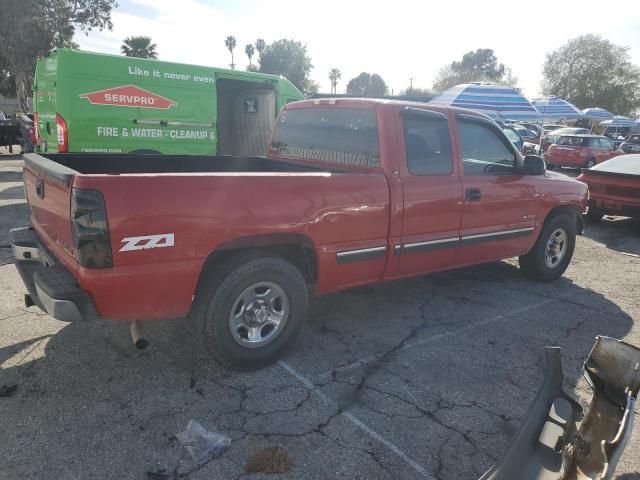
590	163
551	255
550	166
250	316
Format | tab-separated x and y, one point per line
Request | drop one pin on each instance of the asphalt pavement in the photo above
422	378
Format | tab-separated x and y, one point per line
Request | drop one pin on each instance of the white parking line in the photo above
356	421
448	333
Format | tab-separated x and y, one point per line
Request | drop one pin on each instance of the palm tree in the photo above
260	44
249	50
230	42
334	75
140	47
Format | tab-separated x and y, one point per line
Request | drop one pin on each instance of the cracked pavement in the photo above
422	378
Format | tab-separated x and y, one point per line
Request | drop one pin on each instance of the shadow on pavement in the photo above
617	233
90	405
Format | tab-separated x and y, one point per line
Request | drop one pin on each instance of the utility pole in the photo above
411	79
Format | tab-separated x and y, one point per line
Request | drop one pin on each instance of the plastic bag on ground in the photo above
202	444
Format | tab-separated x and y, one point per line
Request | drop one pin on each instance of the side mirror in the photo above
534	165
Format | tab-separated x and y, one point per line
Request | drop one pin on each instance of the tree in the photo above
140	47
230	43
415	92
249	50
32	28
590	71
260	44
289	59
476	66
334	75
367	85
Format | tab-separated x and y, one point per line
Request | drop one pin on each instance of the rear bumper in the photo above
612	207
51	286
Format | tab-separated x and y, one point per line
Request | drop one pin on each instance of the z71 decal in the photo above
147	241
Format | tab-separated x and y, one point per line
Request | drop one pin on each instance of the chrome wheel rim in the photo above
591	163
556	248
259	314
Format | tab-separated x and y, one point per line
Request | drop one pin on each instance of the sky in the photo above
397	39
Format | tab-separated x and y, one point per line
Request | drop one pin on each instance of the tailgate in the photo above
48	187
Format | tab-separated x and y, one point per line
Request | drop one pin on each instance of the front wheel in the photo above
254	313
552	252
550	166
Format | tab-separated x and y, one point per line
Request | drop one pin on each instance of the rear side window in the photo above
484	150
571	141
347	136
428	146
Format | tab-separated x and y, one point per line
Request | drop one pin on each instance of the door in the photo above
432	192
254	114
605	149
499	202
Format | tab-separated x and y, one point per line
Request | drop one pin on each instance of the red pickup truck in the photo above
351	192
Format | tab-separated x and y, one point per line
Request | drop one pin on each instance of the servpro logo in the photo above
128	96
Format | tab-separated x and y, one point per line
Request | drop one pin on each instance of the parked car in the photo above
527	135
631	144
614	187
513	135
579	151
534	127
550	127
8	132
352	191
551	138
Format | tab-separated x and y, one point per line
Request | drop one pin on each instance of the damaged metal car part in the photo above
558	440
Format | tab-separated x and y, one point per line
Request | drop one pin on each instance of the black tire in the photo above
594	214
534	264
590	163
218	295
550	166
145	151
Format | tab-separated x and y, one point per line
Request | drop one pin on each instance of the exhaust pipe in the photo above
136	335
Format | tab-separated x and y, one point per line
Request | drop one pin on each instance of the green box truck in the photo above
90	102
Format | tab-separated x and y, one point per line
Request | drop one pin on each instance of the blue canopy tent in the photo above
596	113
556	108
619	121
497	101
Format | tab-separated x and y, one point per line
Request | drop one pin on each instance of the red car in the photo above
579	151
352	191
614	187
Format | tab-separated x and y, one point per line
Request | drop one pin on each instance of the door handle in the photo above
472	194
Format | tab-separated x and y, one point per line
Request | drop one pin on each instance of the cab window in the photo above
347	136
427	146
484	150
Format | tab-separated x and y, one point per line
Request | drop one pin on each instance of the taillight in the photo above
63	137
90	229
36	132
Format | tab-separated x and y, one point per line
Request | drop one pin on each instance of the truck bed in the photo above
100	163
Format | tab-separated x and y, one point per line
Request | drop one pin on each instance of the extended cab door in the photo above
432	192
500	202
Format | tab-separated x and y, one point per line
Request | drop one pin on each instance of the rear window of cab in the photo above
345	136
